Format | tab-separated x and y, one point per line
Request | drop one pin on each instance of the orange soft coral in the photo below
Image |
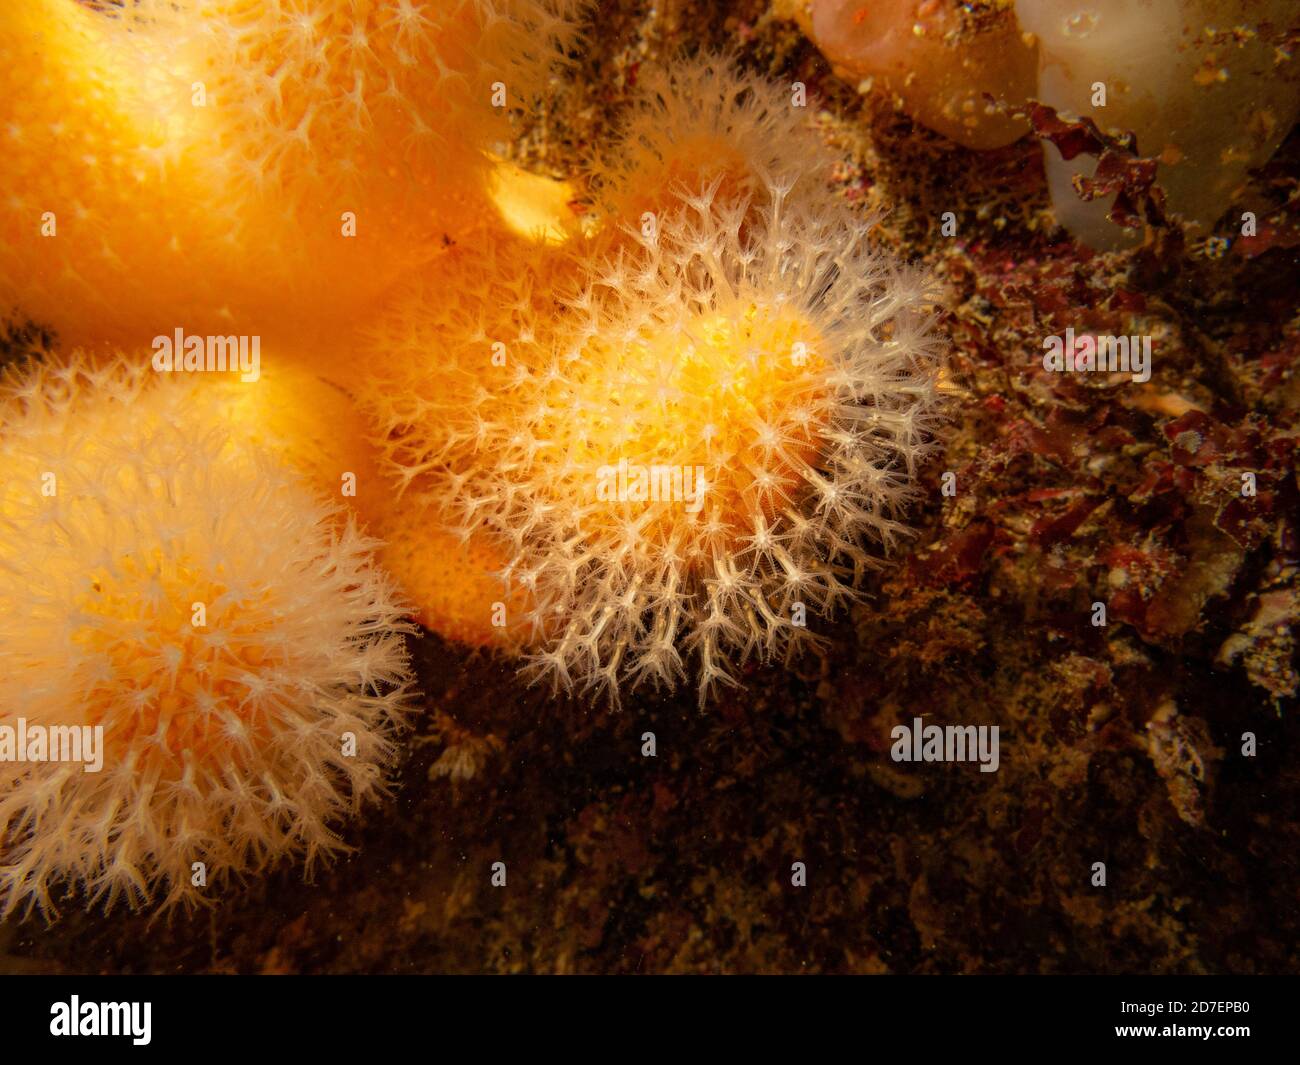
225	165
163	579
744	346
313	425
702	118
104	221
455	584
781	372
451	338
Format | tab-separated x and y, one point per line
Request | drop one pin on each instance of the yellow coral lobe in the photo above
433	360
307	420
459	333
697	159
703	121
87	243
533	205
235	167
701	433
314	425
173	672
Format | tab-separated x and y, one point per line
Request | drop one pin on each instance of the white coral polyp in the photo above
765	346
234	736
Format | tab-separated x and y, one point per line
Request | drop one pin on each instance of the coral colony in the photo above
325	365
657	442
775	376
224	629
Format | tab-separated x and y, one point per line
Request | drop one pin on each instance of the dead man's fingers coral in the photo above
203	668
310	423
708	440
209	162
443	361
733	431
702	118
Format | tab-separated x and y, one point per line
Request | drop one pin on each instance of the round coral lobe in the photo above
281	165
941	57
712	438
166	581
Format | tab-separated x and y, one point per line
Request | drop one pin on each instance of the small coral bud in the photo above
701	119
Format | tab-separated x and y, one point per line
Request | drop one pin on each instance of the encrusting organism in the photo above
237	166
955	67
165	580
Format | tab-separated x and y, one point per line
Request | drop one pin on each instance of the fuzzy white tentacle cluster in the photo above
163	580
